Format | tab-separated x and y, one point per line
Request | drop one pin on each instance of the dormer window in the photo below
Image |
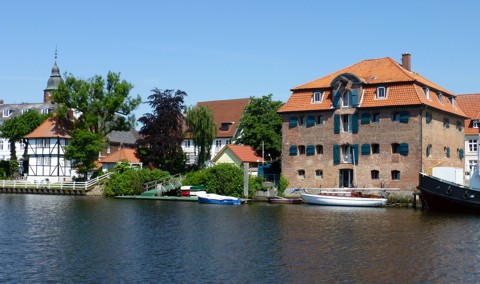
46	110
381	93
317	97
7	112
427	92
440	98
347	99
225	126
452	101
475	123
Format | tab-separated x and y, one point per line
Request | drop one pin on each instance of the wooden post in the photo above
245	179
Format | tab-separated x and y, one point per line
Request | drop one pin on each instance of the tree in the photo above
15	130
162	131
261	126
102	108
203	129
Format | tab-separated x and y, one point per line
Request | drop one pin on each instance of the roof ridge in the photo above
402	69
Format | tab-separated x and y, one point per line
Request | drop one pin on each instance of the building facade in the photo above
470	104
226	115
373	124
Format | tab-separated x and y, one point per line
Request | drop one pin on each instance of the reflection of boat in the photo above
211	198
348	198
441	195
282	200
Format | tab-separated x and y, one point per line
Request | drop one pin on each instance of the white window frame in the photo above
1	144
45	110
440	98
475	123
46	161
347	154
471	165
472	145
427	92
452	101
347	99
381	93
7	112
347	123
317	97
218	143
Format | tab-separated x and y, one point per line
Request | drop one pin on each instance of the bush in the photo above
282	186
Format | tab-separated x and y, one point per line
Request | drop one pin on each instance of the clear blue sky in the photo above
231	49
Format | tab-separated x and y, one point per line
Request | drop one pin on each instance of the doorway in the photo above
345	178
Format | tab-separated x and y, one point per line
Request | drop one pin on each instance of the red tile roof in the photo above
124	154
226	111
403	88
244	153
50	128
470	104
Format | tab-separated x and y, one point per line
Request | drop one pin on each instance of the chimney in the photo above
406	61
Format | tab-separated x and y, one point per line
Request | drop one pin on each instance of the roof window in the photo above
381	93
7	112
452	101
427	92
440	98
317	97
225	126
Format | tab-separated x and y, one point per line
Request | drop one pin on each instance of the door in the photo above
345	177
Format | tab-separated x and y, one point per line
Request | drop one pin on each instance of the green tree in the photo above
102	106
83	149
203	129
261	126
162	131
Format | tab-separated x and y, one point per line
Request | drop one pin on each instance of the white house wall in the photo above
47	160
189	148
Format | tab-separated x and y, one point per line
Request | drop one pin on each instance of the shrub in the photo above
282	186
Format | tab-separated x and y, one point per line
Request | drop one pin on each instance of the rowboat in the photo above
350	198
211	198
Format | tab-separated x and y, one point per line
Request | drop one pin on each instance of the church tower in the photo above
53	82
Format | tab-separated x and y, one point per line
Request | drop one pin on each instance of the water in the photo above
71	239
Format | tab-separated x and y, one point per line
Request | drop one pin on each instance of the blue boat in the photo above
211	198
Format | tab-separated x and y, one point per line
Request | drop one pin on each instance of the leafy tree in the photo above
162	131
261	124
83	150
102	106
203	129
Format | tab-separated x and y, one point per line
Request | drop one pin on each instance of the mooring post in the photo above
245	179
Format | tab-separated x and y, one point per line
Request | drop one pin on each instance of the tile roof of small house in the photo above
403	88
470	104
226	111
50	128
243	153
124	154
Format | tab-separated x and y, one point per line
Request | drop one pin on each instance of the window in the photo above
427	92
108	149
375	174
43	143
218	143
45	110
440	98
24	110
375	149
225	126
301	174
1	144
347	122
7	112
186	143
395	148
472	164
376	118
365	118
475	123
317	97
381	94
302	120
46	161
452	101
428	117
447	151
395	175
446	122
459	125
293	121
228	141
472	145
347	154
319	149
396	116
318	174
301	150
347	99
320	119
310	120
429	150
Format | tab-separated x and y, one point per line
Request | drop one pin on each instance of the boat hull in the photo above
278	200
218	199
443	196
319	199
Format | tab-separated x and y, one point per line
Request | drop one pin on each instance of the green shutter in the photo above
365	118
403	149
336	99
428	117
355	97
293	121
310	150
404	117
336	154
447	123
448	152
320	119
310	121
354	123
429	149
460	153
336	124
366	149
355	154
293	150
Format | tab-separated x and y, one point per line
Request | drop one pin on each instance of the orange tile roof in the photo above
403	88
226	111
50	128
244	153
470	104
124	154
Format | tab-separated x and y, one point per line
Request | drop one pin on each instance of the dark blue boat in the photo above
211	198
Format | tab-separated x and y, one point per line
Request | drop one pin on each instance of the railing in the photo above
74	185
162	184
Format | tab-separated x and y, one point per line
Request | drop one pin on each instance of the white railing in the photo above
74	185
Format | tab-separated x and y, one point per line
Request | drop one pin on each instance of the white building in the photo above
470	104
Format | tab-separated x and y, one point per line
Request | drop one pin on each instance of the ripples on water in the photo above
87	239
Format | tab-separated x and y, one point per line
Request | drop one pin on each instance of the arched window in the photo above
347	99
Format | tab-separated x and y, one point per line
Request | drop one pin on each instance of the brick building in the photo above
375	123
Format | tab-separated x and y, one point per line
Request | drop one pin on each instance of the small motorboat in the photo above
346	198
212	198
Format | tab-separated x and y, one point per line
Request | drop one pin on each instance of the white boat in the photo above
212	198
355	199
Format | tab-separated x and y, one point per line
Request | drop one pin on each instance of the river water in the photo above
71	239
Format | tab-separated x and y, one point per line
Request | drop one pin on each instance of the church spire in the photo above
53	81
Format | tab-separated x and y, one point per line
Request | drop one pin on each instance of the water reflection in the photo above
84	239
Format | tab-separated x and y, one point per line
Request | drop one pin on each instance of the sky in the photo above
215	50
